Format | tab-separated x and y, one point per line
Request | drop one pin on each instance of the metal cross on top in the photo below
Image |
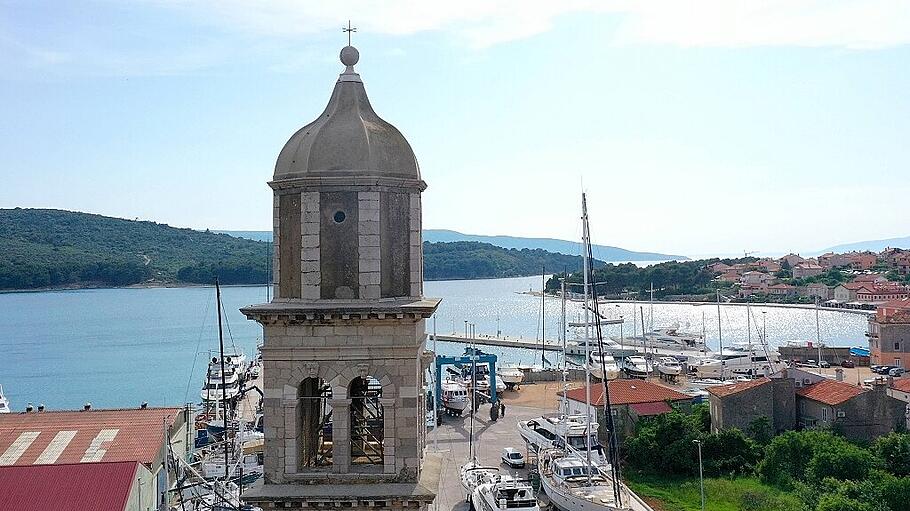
349	29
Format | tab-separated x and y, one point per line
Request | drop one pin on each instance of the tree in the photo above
729	453
839	459
760	430
893	450
788	455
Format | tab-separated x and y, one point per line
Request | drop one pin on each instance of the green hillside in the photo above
46	248
475	260
53	248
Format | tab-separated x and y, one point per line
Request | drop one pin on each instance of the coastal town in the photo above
854	280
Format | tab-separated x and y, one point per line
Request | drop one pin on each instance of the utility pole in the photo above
701	475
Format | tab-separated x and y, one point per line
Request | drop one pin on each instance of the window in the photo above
897	346
825	414
339	217
367	421
314	423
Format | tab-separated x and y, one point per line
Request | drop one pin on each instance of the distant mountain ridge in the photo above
873	245
572	248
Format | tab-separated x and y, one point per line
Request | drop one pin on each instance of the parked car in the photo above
848	364
881	369
896	371
824	364
513	458
875	369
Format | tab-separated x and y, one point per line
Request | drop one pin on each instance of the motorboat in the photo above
601	364
637	367
4	402
609	346
574	485
669	367
739	359
216	390
511	376
706	383
565	431
473	475
248	467
454	397
505	493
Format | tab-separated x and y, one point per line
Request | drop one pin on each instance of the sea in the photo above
123	347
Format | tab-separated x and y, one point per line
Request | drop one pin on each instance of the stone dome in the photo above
349	139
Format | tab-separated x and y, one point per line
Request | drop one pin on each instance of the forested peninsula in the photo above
48	249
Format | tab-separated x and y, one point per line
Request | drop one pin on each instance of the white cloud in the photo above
704	23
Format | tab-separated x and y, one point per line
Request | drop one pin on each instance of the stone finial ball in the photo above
349	56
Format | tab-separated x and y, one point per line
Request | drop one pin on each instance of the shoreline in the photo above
804	306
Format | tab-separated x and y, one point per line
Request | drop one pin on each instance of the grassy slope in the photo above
682	494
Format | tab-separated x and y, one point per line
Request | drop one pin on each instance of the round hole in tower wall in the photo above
339	217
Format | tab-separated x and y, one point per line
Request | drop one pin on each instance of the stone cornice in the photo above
303	312
348	183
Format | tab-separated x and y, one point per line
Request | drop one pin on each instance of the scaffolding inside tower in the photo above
367	421
315	433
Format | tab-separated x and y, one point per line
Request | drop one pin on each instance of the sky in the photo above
696	127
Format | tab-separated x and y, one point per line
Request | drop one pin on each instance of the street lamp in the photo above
701	476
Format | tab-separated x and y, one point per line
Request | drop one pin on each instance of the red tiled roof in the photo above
626	392
855	286
68	487
648	409
39	438
902	384
729	390
830	392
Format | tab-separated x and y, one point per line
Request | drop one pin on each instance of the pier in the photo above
501	341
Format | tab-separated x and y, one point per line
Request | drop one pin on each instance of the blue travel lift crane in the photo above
469	358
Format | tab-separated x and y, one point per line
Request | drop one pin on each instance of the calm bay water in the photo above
119	347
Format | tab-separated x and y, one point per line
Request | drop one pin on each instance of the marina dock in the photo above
502	341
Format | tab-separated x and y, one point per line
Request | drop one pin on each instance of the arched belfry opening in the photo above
367	421
344	338
314	424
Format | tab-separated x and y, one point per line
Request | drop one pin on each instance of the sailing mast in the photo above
543	314
818	335
224	402
720	337
612	447
562	327
584	240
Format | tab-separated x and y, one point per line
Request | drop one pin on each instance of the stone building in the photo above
889	334
797	399
343	339
855	412
740	404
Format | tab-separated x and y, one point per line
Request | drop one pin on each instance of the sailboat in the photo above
473	474
572	479
4	402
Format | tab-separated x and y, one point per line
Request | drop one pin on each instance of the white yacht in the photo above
247	466
740	359
561	431
505	493
601	364
4	402
610	347
573	485
511	376
637	367
212	389
669	367
473	475
454	397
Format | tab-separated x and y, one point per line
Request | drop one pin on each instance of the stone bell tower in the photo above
343	351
